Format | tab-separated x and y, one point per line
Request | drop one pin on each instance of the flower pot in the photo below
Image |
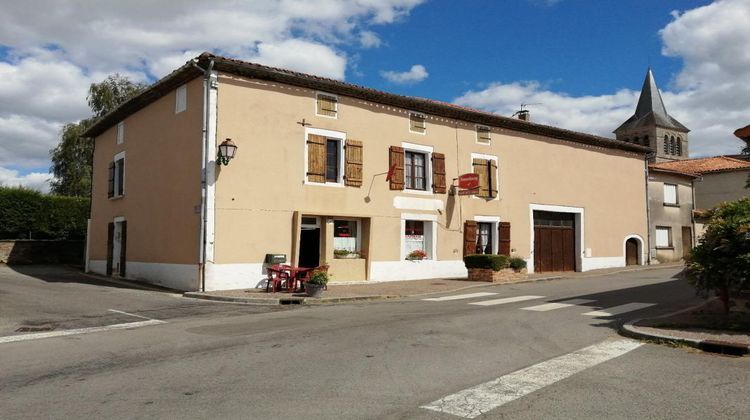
314	290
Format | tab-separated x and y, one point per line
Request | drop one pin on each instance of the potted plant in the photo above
416	255
316	283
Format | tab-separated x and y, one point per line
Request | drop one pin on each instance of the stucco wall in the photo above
716	188
671	216
162	191
257	194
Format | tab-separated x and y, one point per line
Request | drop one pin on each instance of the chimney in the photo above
524	115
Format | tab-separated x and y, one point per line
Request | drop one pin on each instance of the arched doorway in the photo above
631	251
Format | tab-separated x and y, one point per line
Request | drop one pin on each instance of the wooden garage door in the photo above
554	242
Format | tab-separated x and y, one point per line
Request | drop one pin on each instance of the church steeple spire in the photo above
651	125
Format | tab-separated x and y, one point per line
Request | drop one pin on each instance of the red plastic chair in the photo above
276	276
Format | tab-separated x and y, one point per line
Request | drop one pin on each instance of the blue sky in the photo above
580	63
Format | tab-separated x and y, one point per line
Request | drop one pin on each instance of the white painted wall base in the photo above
416	270
594	263
183	277
234	276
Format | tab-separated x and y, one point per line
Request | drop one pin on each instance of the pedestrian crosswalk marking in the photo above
458	297
557	305
621	309
505	300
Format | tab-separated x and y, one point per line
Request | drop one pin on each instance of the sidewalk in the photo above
364	291
689	327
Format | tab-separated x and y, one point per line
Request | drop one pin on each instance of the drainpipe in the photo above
648	208
204	165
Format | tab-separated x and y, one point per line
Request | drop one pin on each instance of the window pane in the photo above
670	194
408	179
662	237
345	235
484	238
332	161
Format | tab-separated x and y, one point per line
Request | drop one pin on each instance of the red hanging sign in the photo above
468	181
391	171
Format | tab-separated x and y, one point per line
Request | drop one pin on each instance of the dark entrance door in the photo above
631	252
309	248
554	242
687	240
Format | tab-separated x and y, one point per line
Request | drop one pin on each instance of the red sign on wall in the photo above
468	181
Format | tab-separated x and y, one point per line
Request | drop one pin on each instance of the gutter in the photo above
204	165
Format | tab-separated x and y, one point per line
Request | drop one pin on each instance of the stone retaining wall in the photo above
23	251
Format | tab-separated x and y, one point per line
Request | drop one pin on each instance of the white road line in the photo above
62	333
617	310
128	313
457	297
505	300
557	305
478	400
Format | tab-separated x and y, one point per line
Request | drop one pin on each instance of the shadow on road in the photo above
71	274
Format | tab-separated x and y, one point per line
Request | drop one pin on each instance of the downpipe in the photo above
204	164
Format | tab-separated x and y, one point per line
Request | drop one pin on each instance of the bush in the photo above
29	214
721	261
517	263
494	262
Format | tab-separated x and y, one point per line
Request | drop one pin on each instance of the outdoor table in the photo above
294	274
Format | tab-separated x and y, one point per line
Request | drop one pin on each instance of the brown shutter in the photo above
316	158
123	246
111	182
353	171
438	173
110	246
503	238
480	168
470	237
493	175
396	154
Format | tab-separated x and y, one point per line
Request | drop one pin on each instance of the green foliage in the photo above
319	277
746	152
721	261
494	262
517	263
71	159
29	214
111	92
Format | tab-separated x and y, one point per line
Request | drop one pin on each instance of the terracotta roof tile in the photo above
703	165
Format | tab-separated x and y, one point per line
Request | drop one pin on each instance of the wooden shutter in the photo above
396	154
110	246
470	237
493	175
503	238
111	182
353	171
327	105
316	158
123	246
438	173
480	168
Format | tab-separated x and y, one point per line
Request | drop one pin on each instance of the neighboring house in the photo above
670	191
718	179
309	179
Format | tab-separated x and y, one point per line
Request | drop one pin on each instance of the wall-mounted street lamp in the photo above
227	149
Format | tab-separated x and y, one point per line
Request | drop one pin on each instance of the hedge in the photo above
495	262
29	214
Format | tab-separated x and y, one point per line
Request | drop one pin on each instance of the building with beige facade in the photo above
359	179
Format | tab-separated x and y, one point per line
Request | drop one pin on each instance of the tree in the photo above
721	261
71	159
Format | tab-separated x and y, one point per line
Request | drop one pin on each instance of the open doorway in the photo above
309	243
116	247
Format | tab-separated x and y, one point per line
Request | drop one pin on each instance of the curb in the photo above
290	300
629	329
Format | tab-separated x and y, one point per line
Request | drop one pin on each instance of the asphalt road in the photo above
375	360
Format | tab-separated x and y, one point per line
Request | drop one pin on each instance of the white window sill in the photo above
326	184
116	197
417	192
334	117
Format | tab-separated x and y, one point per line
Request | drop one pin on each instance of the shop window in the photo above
346	241
417	239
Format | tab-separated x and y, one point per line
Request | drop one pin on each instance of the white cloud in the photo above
34	180
51	58
416	74
709	95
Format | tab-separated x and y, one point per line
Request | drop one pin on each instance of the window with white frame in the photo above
663	237
326	105
117	176
670	194
120	132
417	239
485	238
325	157
417	123
180	104
483	134
415	170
